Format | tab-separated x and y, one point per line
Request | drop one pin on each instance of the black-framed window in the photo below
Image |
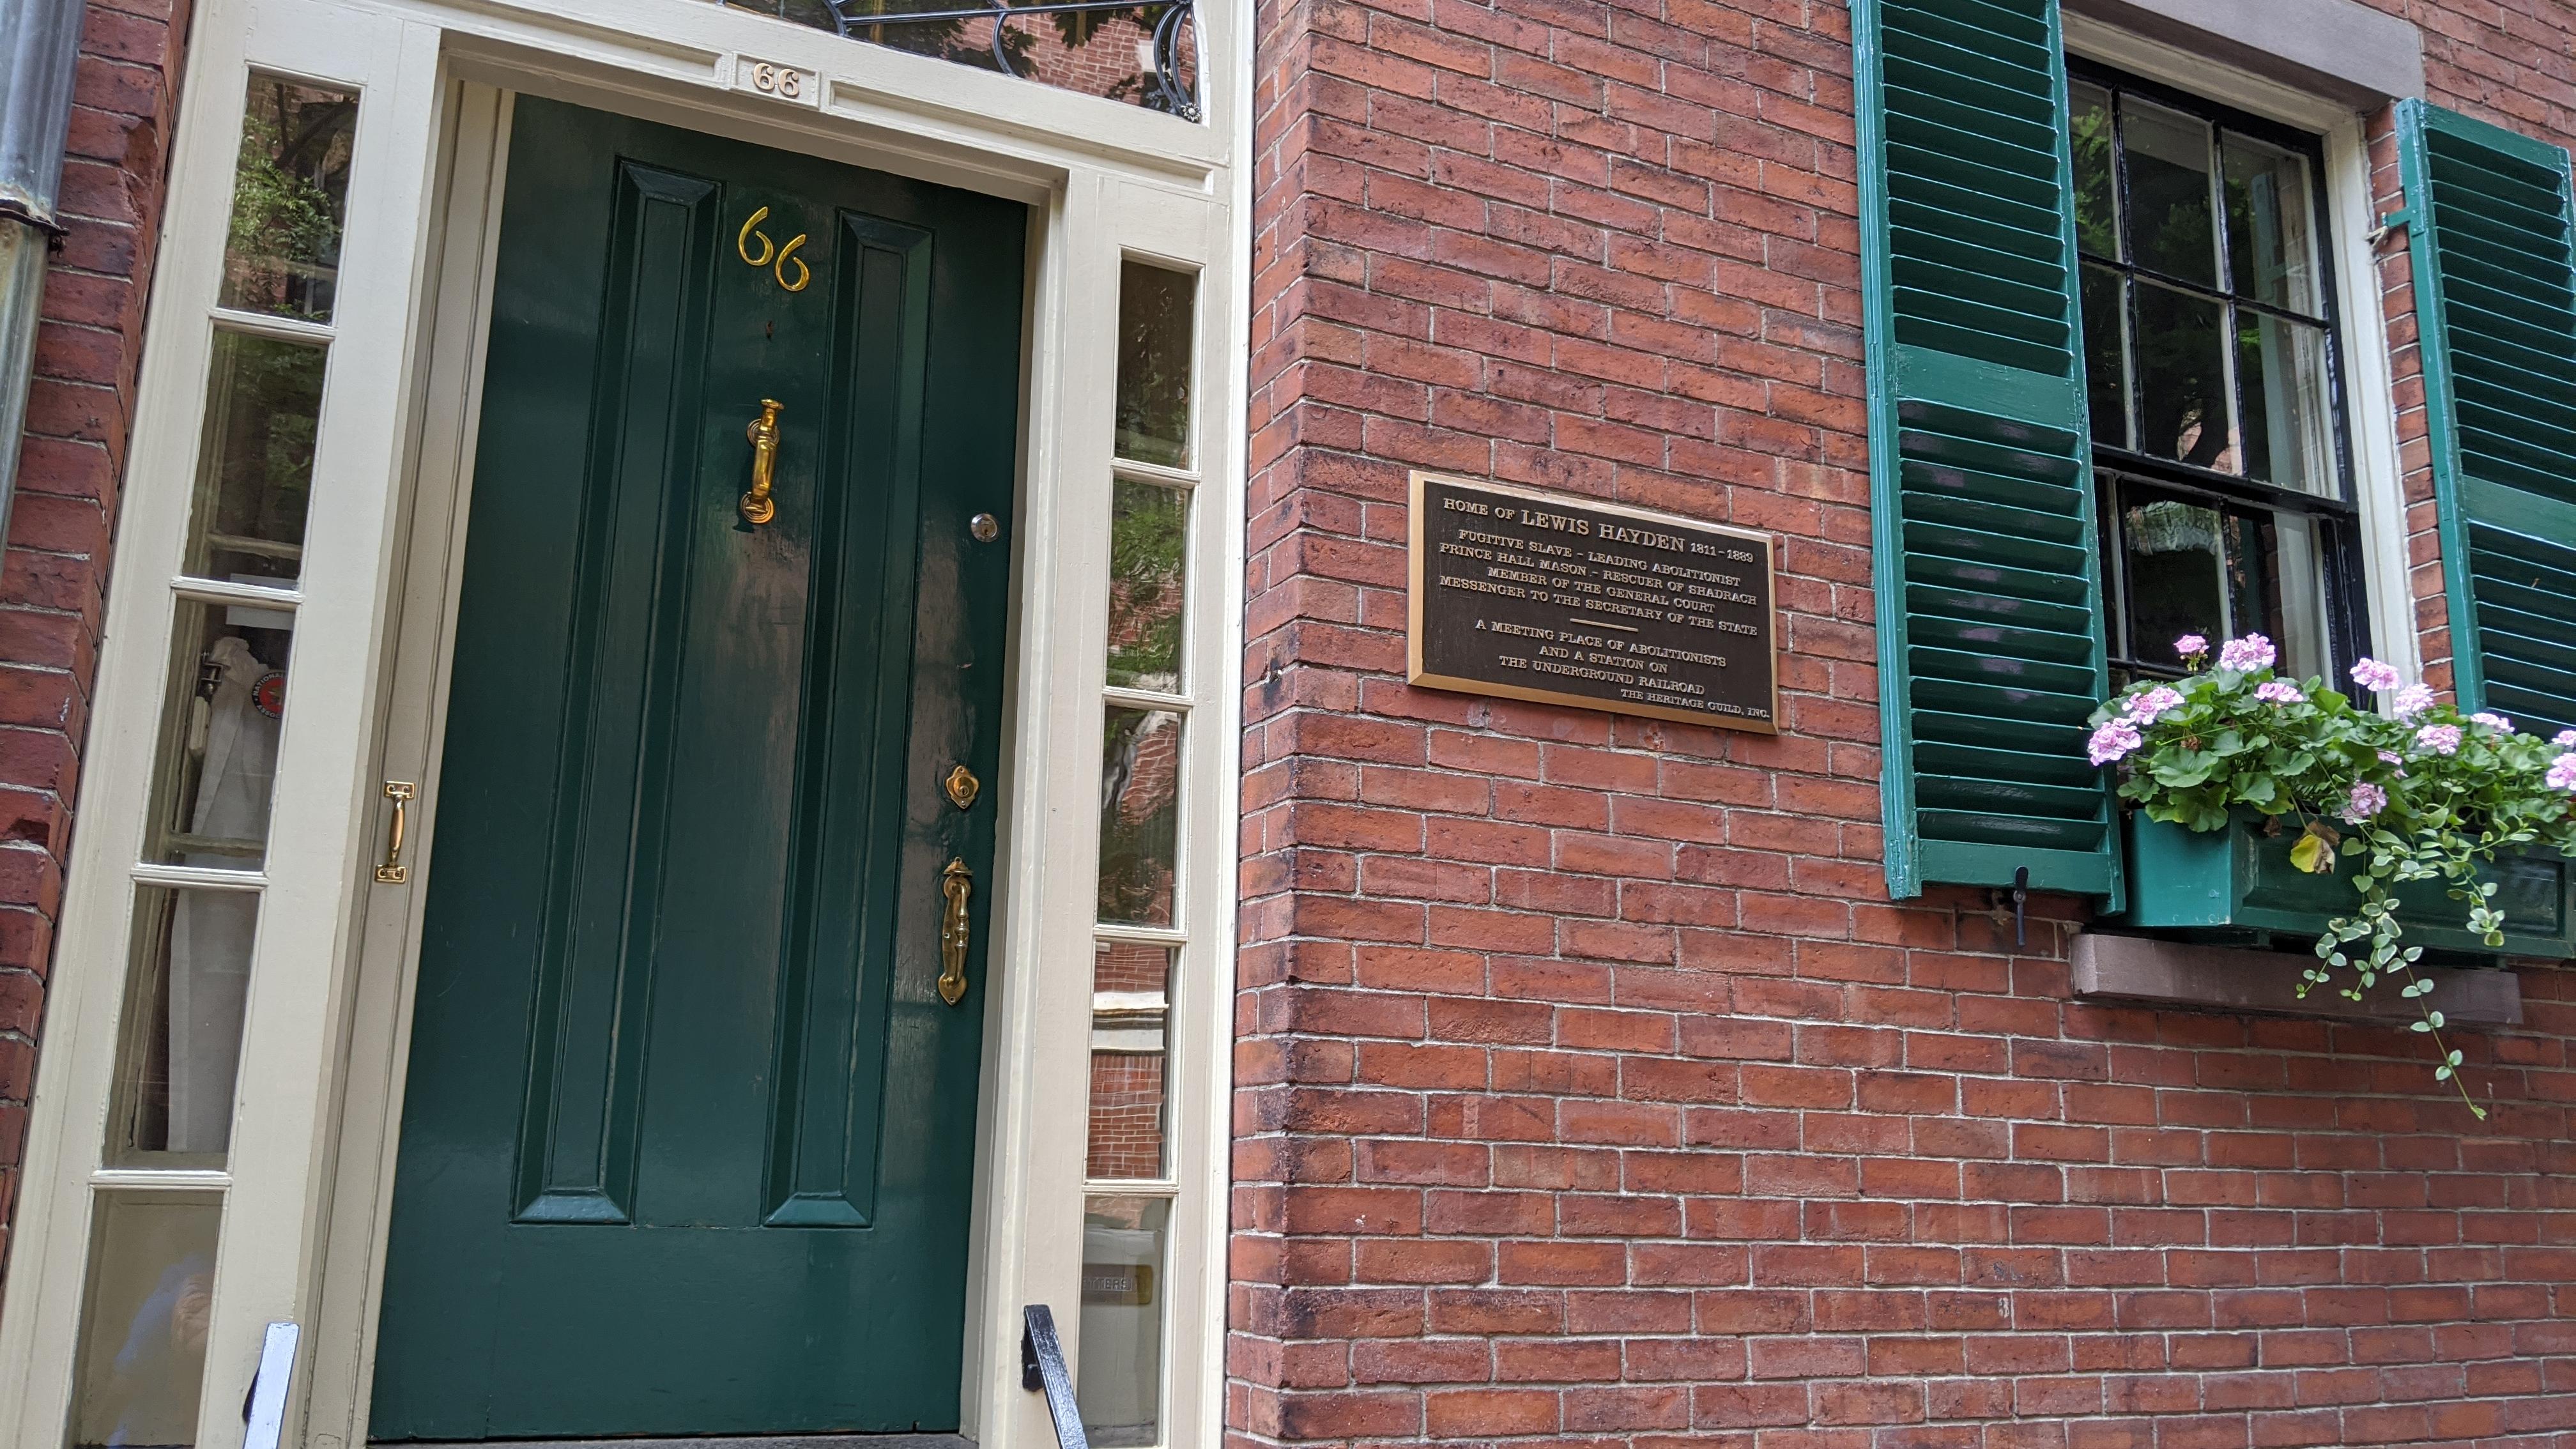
2213	368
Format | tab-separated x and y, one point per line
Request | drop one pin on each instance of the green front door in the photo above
688	1141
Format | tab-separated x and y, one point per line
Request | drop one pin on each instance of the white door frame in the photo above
315	1135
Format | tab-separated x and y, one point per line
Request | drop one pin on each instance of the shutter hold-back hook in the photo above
2021	896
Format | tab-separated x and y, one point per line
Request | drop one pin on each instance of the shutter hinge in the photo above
2402	216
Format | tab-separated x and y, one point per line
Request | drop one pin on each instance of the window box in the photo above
2237	885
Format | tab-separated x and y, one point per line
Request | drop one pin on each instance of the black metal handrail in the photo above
1042	1368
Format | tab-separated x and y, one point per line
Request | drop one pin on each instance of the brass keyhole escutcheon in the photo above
757	508
962	787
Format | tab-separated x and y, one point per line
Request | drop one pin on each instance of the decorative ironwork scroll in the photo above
1164	87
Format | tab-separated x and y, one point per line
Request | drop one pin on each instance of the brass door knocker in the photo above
757	508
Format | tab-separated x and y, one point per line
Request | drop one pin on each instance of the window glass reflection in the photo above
1140	815
2097	219
2271	224
1119	1382
255	467
2170	228
1157	325
186	988
1149	534
225	703
2181	356
2281	391
141	1360
290	200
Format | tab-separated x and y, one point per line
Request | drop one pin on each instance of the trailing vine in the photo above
2417	793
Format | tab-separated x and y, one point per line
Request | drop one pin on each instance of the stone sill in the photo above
2231	978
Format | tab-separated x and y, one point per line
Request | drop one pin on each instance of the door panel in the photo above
687	1142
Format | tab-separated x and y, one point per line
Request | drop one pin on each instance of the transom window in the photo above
2213	379
1143	54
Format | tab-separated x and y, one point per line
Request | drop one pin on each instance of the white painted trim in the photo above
315	1155
2370	399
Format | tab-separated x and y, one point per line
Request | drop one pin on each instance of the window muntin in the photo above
2212	378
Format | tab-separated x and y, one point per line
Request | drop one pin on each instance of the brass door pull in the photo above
957	883
757	508
393	871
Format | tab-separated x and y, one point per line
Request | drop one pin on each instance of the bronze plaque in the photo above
1545	597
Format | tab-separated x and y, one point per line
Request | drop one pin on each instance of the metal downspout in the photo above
39	46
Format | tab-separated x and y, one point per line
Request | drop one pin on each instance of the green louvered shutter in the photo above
1990	630
2495	305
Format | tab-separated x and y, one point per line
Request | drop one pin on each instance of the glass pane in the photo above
2298	570
1149	535
2182	378
2174	573
2106	362
2271	224
1126	1141
1140	815
290	197
226	700
142	1353
1128	982
1156	326
255	472
2168	211
1119	1383
184	993
2281	386
2097	222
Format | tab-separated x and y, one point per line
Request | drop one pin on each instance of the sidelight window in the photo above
2211	370
1141	958
197	882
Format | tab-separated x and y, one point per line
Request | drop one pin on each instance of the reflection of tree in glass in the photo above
290	191
1156	308
2089	128
1139	815
1146	549
969	41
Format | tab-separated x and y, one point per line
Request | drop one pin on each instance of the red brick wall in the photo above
54	584
1588	1087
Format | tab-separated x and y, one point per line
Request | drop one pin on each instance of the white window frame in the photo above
2370	398
314	1144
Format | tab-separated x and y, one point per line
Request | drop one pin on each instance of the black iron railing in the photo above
1042	1369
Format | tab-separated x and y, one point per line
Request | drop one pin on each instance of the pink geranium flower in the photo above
2251	652
2495	722
2411	701
2374	676
2367	800
2114	739
2147	704
2191	646
2279	691
2440	739
2562	772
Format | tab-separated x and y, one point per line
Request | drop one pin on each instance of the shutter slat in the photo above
2493	246
1989	599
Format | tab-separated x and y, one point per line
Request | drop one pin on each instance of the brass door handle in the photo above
757	508
957	883
393	871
